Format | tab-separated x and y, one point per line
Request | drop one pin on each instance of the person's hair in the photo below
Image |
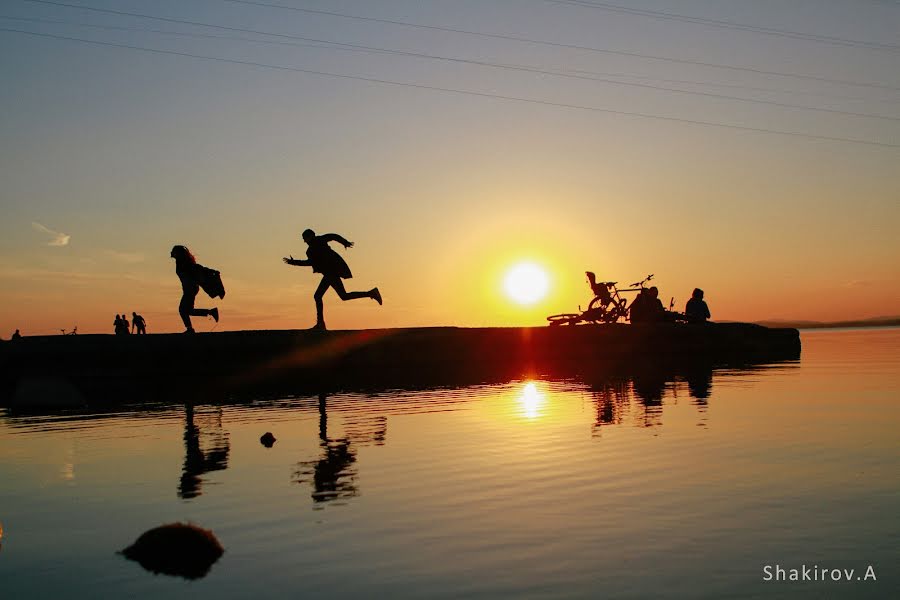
181	253
654	291
308	233
698	293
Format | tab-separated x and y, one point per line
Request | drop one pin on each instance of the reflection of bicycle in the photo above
606	307
73	332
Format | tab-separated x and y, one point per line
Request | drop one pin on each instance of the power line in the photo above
657	14
552	44
327	44
536	71
191	34
462	92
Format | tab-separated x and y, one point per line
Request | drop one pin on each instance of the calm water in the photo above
631	488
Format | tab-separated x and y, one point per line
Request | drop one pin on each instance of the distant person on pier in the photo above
696	310
329	263
17	335
138	323
188	272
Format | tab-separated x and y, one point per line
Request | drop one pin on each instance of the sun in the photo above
526	283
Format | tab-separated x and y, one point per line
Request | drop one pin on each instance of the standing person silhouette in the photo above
138	322
329	263
186	269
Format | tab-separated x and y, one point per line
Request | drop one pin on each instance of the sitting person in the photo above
696	310
655	310
647	308
636	310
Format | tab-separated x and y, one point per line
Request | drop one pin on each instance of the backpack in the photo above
211	281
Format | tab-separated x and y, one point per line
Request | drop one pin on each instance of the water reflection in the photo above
531	401
699	385
612	401
197	461
332	475
332	471
649	390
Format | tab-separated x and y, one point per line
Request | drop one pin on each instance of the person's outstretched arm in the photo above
333	237
295	262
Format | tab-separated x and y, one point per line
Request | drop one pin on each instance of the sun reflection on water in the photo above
531	401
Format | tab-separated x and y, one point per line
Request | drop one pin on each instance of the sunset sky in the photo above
748	148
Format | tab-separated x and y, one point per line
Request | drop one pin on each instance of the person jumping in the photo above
329	263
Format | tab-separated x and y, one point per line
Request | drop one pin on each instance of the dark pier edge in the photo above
75	370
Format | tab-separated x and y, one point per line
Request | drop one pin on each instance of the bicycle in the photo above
607	305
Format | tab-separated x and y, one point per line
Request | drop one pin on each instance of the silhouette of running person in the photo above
186	269
329	263
138	322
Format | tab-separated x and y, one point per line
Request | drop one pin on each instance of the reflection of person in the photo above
198	462
138	322
186	269
329	263
696	310
332	475
699	382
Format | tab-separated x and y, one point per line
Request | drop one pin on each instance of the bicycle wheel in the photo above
563	319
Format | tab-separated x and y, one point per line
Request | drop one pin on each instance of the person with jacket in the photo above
323	259
187	270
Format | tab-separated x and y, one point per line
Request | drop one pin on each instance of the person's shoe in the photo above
189	330
376	296
318	327
214	313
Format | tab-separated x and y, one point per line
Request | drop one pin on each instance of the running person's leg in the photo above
343	294
326	283
338	286
186	310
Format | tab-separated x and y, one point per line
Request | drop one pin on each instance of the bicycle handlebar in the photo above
642	282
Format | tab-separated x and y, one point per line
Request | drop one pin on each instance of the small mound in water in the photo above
267	439
178	549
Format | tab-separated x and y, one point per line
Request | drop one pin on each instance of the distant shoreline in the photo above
867	323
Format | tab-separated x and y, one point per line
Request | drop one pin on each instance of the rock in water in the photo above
178	549
267	439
